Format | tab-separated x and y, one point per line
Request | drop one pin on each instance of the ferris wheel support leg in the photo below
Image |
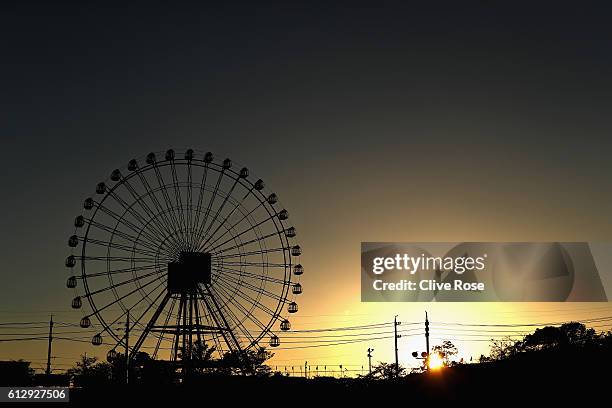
198	322
240	353
191	328
213	314
177	335
186	351
232	343
151	323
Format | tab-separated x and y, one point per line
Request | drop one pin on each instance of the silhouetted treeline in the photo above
567	338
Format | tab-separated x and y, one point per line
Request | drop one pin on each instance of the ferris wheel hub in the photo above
192	269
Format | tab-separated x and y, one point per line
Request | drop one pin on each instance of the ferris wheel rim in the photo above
221	170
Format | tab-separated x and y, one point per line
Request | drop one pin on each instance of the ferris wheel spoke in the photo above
240	325
200	228
248	298
114	259
126	282
169	206
230	228
130	210
108	327
262	264
153	197
247	314
120	234
119	299
163	188
252	227
151	239
260	290
249	253
259	239
227	196
236	323
253	305
118	271
114	245
222	223
221	269
179	202
160	227
140	231
198	210
189	203
170	243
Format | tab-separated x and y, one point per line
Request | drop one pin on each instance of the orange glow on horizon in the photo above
435	361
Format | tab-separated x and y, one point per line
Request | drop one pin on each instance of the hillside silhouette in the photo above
549	366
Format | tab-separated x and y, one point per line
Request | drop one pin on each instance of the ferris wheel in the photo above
183	248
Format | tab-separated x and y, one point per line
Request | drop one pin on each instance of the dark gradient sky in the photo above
389	121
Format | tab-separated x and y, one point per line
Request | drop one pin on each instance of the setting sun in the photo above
435	361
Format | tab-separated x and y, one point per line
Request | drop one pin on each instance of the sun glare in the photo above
435	361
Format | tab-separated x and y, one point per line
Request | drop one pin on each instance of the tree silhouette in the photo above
88	371
201	360
502	349
250	362
572	335
568	334
447	350
201	356
16	372
385	371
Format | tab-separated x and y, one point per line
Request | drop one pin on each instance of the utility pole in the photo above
49	348
306	369
370	350
427	334
395	324
127	348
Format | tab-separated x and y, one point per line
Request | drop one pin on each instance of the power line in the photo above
367	326
334	344
326	337
593	320
24	339
22	323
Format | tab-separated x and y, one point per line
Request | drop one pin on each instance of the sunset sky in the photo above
388	122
